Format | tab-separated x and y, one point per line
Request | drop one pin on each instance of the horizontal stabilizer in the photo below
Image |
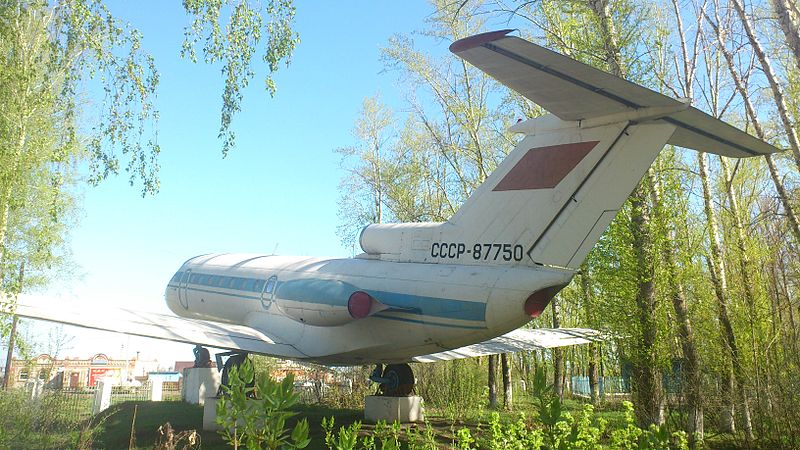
574	91
161	326
523	339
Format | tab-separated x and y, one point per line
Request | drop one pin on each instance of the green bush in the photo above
457	388
43	422
255	417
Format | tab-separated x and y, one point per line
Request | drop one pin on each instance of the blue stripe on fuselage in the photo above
337	293
383	315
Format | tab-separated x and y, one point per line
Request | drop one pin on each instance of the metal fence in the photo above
608	386
75	402
79	401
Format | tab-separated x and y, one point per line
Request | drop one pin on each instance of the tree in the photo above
696	288
492	381
606	34
249	23
788	16
50	51
777	90
364	190
508	393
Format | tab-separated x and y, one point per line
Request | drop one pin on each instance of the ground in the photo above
53	423
115	430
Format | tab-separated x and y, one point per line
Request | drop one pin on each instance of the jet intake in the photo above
360	304
324	302
399	241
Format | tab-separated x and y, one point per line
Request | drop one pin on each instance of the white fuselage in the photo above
422	308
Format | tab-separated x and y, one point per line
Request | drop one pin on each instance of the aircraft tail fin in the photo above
574	91
558	190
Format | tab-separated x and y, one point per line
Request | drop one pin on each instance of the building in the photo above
280	369
301	372
180	366
77	373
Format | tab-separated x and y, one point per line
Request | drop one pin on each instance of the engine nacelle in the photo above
325	303
400	241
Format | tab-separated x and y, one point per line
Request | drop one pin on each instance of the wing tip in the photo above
477	40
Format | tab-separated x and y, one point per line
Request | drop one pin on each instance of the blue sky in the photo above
277	188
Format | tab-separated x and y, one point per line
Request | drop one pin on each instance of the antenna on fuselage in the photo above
275	250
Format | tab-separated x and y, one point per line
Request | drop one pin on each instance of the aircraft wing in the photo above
572	90
518	340
162	326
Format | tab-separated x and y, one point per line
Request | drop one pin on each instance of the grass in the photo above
113	428
114	431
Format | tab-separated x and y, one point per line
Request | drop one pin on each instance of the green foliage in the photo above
255	417
556	428
236	43
425	440
55	50
633	437
43	422
452	137
358	387
453	387
388	435
512	435
464	439
348	437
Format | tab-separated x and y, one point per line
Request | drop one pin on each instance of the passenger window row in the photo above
238	283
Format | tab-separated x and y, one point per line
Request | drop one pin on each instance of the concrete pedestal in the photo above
156	390
102	396
393	409
210	414
199	383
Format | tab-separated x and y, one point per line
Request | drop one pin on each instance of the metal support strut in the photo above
395	380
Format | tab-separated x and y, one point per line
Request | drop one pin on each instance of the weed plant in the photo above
41	422
454	387
353	397
252	412
259	421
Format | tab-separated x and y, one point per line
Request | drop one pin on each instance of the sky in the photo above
277	191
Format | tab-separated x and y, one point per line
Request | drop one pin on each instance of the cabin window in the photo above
193	278
271	284
259	285
235	283
248	284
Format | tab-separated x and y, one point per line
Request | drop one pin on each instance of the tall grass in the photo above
43	422
456	388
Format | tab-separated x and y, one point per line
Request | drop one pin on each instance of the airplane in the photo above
423	292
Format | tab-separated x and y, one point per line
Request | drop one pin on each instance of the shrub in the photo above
454	387
256	416
43	422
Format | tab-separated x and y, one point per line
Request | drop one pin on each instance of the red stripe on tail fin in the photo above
544	167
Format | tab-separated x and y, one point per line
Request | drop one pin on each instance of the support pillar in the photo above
102	397
156	390
393	409
200	383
